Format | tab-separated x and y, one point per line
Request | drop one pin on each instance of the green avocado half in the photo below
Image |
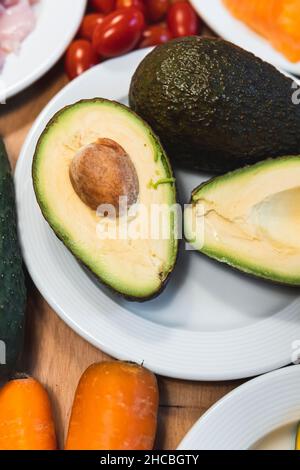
129	259
250	219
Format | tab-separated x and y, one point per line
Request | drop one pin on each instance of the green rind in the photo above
67	238
12	282
255	271
245	170
234	261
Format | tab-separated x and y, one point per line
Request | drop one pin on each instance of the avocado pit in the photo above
101	173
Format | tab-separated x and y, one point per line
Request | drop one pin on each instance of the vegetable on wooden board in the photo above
26	421
115	408
12	282
298	438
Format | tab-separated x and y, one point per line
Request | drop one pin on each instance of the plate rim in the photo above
43	68
158	368
230	398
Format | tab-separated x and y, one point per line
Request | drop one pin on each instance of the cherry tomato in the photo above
131	3
80	56
156	10
103	6
119	32
155	34
89	24
182	20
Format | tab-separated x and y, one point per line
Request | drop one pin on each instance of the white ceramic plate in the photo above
244	417
211	323
219	18
57	23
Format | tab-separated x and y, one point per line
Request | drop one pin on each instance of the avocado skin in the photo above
61	236
12	282
215	106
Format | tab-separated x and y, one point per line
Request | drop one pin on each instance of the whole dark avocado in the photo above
12	282
215	106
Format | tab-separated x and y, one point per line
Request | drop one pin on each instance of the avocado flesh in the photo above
250	219
215	106
138	269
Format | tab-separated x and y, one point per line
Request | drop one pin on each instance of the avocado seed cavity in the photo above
102	172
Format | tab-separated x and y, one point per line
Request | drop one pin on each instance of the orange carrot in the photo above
25	416
115	408
276	20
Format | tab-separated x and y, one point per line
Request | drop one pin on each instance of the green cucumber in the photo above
12	281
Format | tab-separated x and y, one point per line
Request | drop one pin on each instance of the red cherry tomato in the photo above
155	34
156	10
80	56
89	24
119	32
182	20
131	3
103	6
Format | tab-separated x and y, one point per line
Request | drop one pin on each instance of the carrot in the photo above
25	416
115	408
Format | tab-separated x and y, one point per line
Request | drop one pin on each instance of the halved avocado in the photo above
250	219
91	153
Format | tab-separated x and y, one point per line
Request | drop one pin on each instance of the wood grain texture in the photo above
56	355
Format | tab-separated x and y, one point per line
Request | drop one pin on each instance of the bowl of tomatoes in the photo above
111	28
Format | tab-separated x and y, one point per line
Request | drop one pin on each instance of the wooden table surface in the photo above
56	355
